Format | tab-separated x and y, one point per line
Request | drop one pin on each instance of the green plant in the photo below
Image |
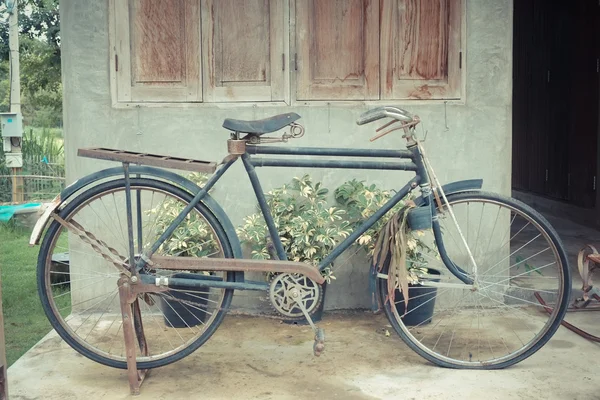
389	238
361	202
193	237
519	260
308	227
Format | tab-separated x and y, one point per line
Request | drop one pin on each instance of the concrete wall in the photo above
471	139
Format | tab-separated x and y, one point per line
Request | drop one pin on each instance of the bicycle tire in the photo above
45	286
428	351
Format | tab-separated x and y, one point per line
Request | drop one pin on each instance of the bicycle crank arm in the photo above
319	345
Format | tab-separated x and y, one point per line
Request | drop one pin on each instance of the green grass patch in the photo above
24	320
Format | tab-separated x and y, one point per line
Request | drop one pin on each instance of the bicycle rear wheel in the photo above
499	322
78	287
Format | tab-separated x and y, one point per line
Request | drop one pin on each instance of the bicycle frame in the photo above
410	159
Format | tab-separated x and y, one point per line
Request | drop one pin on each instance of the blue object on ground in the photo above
7	212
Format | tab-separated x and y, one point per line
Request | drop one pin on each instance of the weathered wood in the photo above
157	50
243	47
420	49
337	44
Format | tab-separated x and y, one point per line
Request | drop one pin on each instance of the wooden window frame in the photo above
279	73
290	92
121	63
422	89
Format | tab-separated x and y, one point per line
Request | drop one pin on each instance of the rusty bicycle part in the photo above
588	260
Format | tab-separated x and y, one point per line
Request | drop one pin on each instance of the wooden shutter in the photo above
337	44
157	50
243	45
420	49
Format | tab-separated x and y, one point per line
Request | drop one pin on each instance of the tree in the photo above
39	39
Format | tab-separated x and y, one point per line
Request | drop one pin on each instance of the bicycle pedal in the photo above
319	345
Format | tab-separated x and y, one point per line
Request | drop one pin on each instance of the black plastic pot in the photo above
420	303
190	312
419	218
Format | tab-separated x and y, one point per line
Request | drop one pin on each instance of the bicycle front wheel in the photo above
78	286
497	321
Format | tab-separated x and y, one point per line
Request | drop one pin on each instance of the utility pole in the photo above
15	101
15	90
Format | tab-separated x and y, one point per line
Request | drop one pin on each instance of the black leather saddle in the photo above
260	126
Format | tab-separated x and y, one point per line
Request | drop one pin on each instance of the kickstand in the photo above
132	326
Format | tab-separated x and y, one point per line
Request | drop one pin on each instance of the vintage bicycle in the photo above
124	299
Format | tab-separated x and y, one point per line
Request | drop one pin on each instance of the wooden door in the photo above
556	99
243	45
337	45
157	50
584	100
420	49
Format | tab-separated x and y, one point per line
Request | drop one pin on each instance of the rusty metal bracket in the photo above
133	328
588	260
108	253
235	264
567	325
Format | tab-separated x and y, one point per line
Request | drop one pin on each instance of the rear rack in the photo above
133	157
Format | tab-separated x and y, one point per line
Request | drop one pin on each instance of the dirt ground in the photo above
259	358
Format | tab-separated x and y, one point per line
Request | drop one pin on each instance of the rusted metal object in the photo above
43	220
236	147
588	260
108	253
235	264
567	325
186	164
319	345
133	328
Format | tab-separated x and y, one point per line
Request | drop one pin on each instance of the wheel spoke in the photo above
497	321
81	291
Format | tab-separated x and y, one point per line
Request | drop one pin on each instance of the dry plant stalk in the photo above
392	241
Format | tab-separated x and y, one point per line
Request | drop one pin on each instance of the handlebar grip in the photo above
371	115
382	112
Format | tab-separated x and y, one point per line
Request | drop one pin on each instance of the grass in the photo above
24	320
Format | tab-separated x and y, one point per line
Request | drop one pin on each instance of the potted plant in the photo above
308	226
192	238
392	244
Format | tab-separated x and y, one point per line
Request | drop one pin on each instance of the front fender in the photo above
456	187
168	176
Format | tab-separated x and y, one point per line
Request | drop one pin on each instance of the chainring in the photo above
284	291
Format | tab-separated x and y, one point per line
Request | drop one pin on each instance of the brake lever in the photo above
386	125
374	138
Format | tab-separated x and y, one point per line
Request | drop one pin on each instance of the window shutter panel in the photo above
243	45
420	49
337	44
158	50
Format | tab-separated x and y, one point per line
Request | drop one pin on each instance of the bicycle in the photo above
117	225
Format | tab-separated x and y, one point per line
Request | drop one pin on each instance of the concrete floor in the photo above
258	358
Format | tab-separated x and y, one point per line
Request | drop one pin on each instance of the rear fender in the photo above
61	200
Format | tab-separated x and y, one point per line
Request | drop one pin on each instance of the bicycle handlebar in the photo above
383	112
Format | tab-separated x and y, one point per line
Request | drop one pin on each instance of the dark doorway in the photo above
556	93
